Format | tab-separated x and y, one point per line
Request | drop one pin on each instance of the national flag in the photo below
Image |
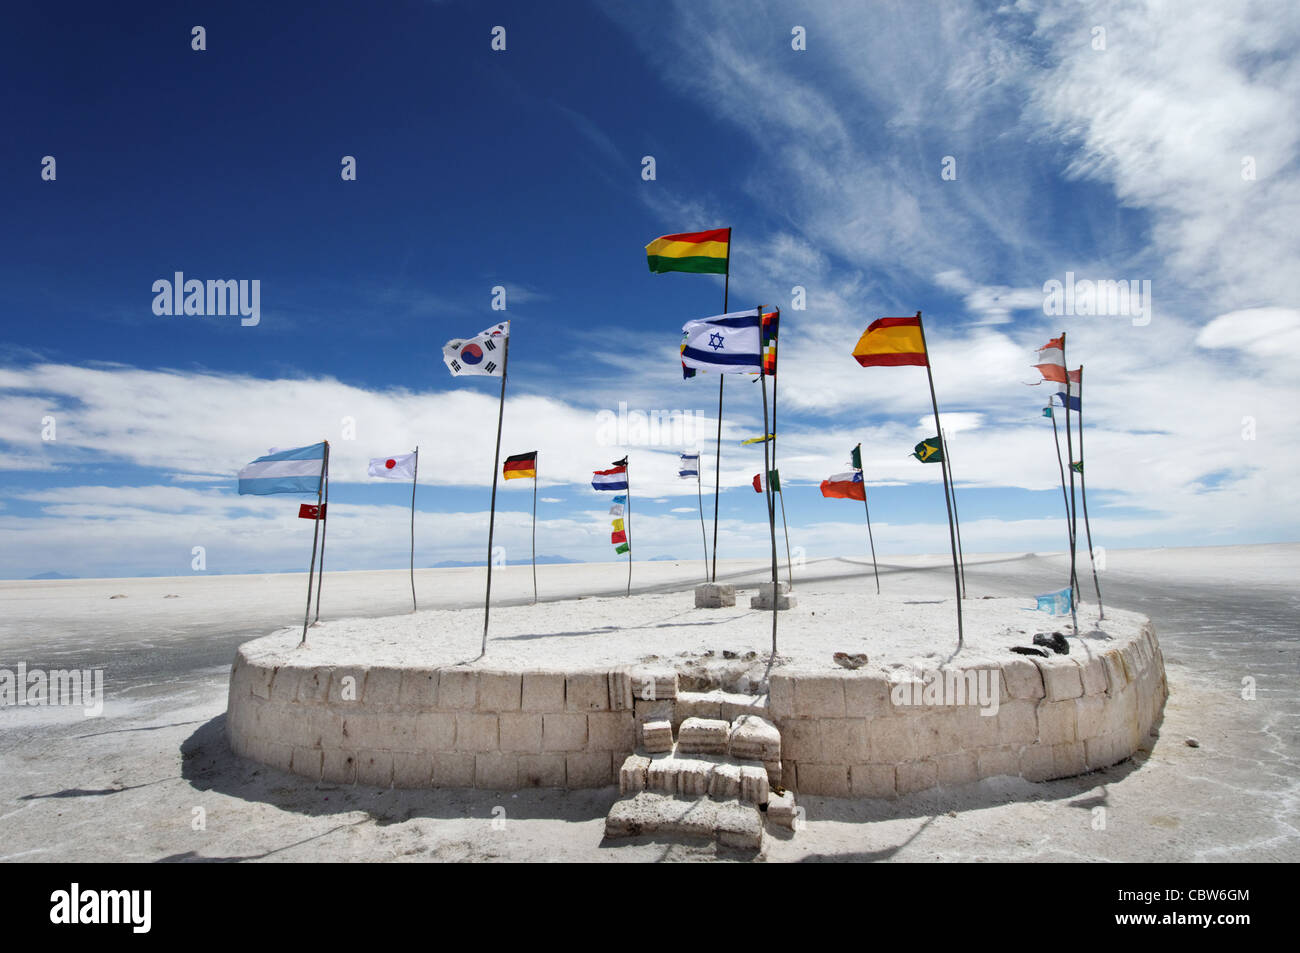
892	342
1077	466
726	343
845	486
928	451
612	479
616	509
702	253
481	354
284	471
618	536
758	439
520	466
400	466
622	549
1072	396
1051	360
311	511
773	477
857	458
770	322
1047	411
690	465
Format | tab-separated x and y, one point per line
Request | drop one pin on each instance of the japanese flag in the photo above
400	466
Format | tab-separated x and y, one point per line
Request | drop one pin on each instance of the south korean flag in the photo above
483	354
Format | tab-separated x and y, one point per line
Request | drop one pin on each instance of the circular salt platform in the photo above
568	691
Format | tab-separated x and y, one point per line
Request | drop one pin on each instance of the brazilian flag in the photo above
928	451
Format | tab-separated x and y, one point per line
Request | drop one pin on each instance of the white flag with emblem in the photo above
400	466
481	354
727	344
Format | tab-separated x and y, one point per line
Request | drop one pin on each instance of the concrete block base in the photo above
764	598
712	595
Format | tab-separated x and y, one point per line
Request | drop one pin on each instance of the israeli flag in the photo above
285	471
727	344
690	465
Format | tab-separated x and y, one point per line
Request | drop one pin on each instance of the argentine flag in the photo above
285	471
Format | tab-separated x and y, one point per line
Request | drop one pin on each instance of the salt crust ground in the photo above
895	632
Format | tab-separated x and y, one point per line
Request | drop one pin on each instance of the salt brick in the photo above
1056	722
375	768
619	689
703	735
1000	760
1093	673
260	678
496	771
541	770
307	762
453	769
499	691
1116	677
436	730
754	785
383	687
457	689
611	731
892	739
780	697
872	780
756	738
657	736
1022	678
801	740
959	768
590	769
314	686
846	739
564	732
735	706
1061	678
476	732
419	689
819	696
917	776
521	732
829	780
1068	760
587	691
865	696
340	686
1037	762
339	766
698	705
724	782
412	770
1089	716
543	691
781	809
649	684
632	774
284	686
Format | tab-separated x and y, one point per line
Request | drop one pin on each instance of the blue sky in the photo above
1114	155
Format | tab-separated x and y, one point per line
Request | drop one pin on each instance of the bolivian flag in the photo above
703	253
520	466
892	342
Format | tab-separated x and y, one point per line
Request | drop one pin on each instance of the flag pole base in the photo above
784	600
713	595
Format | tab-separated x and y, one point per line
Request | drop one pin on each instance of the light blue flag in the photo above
285	471
620	499
1055	603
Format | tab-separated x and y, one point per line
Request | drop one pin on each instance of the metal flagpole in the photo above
717	469
627	524
324	528
1074	525
1061	466
875	568
496	465
952	535
956	517
315	531
1083	490
704	536
537	455
771	506
414	478
789	568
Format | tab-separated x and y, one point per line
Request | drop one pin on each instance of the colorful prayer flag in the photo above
845	486
616	509
1047	411
892	342
285	471
726	343
520	466
928	451
701	253
622	549
400	466
618	525
480	354
618	536
620	499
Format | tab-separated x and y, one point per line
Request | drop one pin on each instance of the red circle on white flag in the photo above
389	464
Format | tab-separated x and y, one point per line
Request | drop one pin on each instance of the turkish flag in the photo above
310	511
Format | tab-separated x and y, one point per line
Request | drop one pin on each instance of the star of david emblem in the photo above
716	341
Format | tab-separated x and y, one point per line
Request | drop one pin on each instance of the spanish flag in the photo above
702	253
892	342
520	466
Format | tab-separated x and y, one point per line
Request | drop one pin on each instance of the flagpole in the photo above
324	528
1083	490
771	506
627	525
414	478
704	535
1074	526
717	454
952	536
492	518
875	568
956	517
320	486
536	457
789	568
1057	437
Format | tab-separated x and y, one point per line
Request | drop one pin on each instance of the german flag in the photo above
701	253
520	466
892	342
